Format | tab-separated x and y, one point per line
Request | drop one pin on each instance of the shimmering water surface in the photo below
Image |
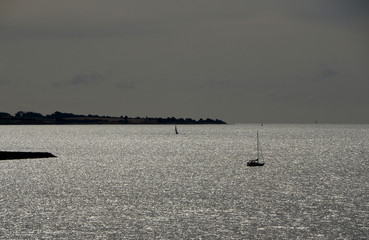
145	182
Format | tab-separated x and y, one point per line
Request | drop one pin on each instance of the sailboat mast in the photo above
257	142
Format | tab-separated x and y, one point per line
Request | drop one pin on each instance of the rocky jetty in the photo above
24	155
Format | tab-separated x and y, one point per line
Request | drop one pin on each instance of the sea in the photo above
146	182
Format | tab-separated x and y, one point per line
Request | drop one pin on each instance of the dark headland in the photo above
23	118
24	155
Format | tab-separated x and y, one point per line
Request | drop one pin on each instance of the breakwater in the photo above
24	155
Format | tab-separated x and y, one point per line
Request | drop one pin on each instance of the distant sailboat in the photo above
255	162
175	128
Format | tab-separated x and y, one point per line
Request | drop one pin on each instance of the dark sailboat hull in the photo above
255	164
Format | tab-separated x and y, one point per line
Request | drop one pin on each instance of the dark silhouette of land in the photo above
32	118
23	118
24	155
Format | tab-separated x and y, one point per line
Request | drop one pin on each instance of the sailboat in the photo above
255	162
175	128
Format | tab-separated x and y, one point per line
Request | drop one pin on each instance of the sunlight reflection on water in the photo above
146	182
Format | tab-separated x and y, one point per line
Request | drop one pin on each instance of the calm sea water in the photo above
145	182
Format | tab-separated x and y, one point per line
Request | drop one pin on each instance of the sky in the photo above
240	61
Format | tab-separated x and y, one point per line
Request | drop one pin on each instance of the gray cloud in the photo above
84	79
219	84
328	74
125	84
4	81
332	11
88	79
93	79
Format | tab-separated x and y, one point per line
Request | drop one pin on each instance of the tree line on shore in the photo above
70	118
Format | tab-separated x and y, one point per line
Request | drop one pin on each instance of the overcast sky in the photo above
236	60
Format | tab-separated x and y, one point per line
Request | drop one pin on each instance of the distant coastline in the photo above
32	118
